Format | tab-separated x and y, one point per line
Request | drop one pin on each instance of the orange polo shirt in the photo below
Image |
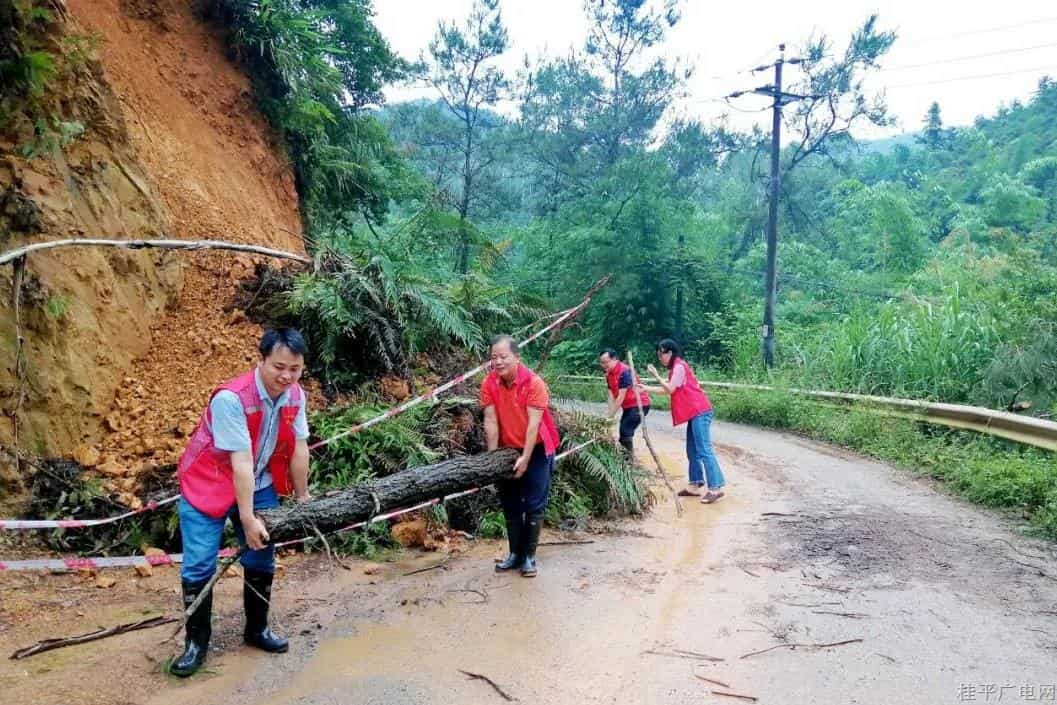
512	417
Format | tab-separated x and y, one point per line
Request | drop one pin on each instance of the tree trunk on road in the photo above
402	489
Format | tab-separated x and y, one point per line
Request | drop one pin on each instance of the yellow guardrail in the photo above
1029	430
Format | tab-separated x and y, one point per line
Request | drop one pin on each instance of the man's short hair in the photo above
611	352
509	340
289	338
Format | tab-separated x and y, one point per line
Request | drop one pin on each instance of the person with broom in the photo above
690	405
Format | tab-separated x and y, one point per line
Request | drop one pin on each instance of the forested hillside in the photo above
925	270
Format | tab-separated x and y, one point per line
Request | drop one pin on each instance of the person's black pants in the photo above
629	423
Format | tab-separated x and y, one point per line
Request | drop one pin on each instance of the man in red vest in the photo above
515	402
250	445
622	396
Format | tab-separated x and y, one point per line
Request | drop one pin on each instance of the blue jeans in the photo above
201	535
700	454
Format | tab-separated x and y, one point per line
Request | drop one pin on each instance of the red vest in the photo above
613	380
548	431
688	400
205	472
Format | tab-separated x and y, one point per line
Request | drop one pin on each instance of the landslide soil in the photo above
213	170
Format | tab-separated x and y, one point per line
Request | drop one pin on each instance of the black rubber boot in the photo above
199	629
256	593
629	446
533	524
515	534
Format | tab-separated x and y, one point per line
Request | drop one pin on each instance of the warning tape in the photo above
436	391
26	524
162	559
80	523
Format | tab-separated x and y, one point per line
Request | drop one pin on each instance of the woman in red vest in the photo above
690	405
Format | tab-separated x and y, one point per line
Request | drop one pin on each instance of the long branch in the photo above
49	644
646	437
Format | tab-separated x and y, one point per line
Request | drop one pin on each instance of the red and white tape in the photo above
80	523
459	379
27	524
160	559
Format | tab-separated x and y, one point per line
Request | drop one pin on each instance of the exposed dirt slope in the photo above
173	147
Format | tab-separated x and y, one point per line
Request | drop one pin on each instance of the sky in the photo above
970	58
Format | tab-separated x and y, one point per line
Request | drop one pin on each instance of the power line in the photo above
970	78
986	30
726	101
965	58
1018	50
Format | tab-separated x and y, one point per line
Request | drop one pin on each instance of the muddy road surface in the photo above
821	577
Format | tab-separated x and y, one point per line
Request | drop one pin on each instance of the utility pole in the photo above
770	283
770	279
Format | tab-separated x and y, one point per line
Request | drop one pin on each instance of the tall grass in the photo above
935	350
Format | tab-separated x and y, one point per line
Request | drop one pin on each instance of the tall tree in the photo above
934	136
589	119
463	71
836	98
634	99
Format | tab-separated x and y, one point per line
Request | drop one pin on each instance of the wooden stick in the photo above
696	654
852	615
806	646
163	244
831	588
713	682
489	681
565	543
49	644
646	436
750	698
439	564
482	593
679	653
206	590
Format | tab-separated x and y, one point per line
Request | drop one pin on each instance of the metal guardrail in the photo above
1029	430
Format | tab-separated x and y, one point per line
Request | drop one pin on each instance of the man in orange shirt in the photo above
515	402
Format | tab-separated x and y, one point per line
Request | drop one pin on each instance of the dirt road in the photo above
811	546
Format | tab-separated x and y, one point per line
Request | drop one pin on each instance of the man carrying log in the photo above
622	397
515	402
250	445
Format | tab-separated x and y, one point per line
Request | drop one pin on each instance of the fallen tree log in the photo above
401	489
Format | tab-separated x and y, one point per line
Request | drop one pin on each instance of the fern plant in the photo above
368	311
378	451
